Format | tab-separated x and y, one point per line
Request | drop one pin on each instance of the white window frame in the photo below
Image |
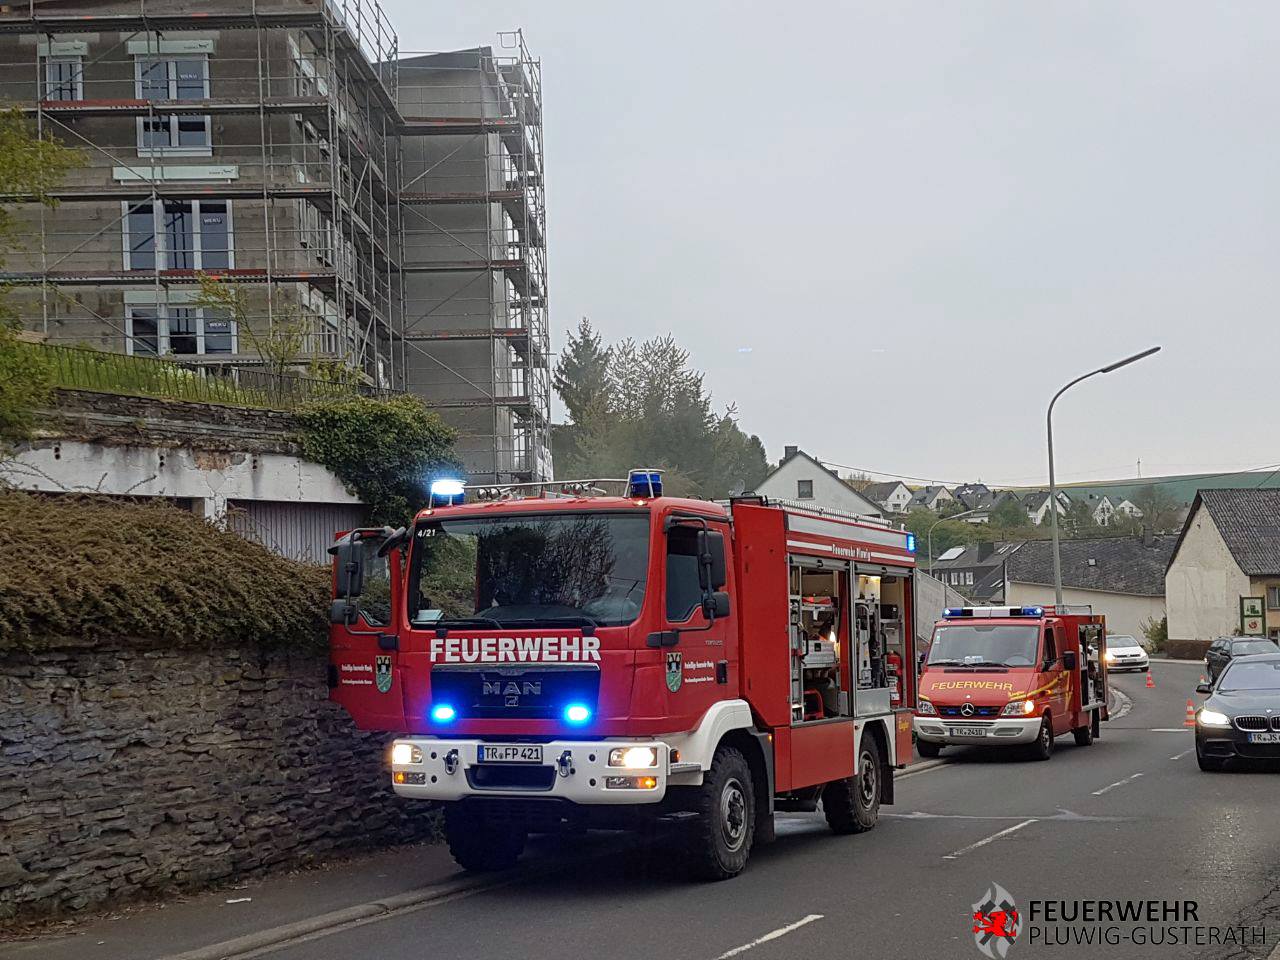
800	495
161	310
77	80
1273	590
161	251
171	75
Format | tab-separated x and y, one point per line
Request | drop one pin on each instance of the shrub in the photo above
84	568
1156	632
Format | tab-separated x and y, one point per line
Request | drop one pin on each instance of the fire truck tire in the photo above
480	845
1042	749
852	805
927	749
720	839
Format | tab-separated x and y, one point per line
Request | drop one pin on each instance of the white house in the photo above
933	497
893	495
802	478
1037	504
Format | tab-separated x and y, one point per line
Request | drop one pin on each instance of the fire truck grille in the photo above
977	712
515	693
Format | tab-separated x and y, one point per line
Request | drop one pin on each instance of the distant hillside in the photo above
1182	487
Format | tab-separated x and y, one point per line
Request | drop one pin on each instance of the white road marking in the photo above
1171	729
771	935
1118	783
985	840
1179	756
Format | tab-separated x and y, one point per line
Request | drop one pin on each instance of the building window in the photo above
63	79
1273	597
178	235
170	79
163	330
804	489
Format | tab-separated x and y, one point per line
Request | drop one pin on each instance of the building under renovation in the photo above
275	178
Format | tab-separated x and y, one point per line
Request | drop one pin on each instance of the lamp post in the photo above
929	536
1053	485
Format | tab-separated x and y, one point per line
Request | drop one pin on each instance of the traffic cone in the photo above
1150	683
1191	715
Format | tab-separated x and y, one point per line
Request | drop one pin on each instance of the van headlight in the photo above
1018	708
926	709
633	757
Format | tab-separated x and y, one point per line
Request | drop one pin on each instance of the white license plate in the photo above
510	753
1264	738
967	731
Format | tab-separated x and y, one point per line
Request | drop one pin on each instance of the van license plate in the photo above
967	731
510	753
1264	738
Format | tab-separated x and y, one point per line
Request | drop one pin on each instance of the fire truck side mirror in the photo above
1069	659
716	605
711	564
343	612
348	566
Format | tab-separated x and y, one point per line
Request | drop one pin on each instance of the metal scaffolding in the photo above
395	229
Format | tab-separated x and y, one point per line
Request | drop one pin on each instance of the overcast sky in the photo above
889	232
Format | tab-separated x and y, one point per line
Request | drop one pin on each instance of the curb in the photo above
1151	660
1123	703
924	766
276	936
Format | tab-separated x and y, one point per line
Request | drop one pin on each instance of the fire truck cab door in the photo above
696	670
364	674
1055	678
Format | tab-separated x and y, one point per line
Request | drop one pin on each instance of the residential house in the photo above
976	570
974	496
802	478
1037	505
1122	578
1106	510
892	495
932	497
1229	548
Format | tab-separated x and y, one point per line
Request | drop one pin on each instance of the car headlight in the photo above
403	754
1212	718
632	757
1110	655
1018	708
926	709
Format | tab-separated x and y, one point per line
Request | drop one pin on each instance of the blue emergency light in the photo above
447	492
911	543
443	713
577	713
644	483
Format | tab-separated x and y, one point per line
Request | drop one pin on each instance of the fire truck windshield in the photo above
569	569
983	645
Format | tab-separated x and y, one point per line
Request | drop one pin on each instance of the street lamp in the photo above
1053	485
929	535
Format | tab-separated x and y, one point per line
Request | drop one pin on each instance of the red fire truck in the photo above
1013	676
552	655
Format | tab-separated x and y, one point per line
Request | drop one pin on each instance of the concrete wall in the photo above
1204	584
130	772
828	492
1125	612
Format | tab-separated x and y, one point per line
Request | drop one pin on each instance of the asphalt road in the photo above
1129	817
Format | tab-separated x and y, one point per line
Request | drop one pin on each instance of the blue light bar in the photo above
1033	611
957	612
577	713
644	483
443	713
911	542
447	492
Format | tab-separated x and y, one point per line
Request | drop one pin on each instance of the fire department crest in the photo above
675	671
995	922
382	673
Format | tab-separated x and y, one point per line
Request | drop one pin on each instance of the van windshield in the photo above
984	645
568	569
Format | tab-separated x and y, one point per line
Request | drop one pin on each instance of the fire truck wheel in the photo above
927	749
481	845
1084	735
853	805
1042	749
720	840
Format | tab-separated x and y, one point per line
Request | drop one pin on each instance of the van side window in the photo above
684	591
1050	647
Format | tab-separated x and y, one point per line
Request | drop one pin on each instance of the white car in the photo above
1125	653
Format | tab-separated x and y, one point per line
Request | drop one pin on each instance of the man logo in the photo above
382	673
675	671
995	922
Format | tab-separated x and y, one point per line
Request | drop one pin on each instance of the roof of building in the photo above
1113	564
926	494
1249	522
881	491
793	453
976	555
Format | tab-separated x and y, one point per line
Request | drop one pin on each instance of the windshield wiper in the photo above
450	623
942	663
579	619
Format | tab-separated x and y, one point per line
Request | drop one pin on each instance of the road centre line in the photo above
1170	729
1118	783
771	935
1182	754
985	840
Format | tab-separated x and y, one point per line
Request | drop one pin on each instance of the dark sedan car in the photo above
1241	718
1222	650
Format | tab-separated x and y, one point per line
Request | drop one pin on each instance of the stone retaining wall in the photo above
128	771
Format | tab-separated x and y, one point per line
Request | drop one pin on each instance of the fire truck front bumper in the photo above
954	730
580	771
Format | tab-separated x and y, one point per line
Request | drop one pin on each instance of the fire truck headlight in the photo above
1212	718
1018	708
926	709
632	757
403	754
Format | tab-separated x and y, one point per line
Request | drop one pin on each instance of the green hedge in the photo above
85	568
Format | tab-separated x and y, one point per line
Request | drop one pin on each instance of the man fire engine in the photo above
1013	675
552	655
